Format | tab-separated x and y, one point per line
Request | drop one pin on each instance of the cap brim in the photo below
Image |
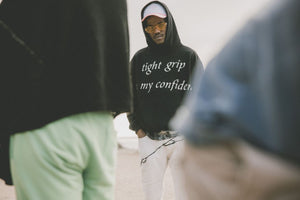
157	15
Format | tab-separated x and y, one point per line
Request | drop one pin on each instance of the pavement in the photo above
128	175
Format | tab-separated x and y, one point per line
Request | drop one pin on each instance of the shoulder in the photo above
140	53
193	56
188	49
138	57
185	50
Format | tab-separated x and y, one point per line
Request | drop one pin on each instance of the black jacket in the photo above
61	57
161	77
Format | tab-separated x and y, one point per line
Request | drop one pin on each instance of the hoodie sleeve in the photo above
132	117
196	63
133	122
196	67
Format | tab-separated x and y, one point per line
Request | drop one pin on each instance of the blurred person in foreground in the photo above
63	72
241	121
160	77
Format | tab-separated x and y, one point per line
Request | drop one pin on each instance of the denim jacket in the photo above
251	89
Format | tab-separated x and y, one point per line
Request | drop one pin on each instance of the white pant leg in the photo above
175	153
153	170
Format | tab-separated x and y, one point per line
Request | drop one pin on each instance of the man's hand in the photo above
140	133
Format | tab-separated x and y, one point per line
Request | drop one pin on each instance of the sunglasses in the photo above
151	29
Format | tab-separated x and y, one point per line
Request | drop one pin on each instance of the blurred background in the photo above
203	25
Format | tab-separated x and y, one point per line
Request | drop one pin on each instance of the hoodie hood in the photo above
172	38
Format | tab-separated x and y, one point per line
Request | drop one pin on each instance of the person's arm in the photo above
132	117
133	122
196	64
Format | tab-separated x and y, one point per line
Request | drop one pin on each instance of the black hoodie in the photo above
82	60
161	77
58	58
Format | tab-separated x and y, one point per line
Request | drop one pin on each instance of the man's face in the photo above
156	28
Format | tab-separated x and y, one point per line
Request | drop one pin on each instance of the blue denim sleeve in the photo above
250	90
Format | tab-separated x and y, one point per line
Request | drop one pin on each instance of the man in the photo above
241	121
161	76
64	71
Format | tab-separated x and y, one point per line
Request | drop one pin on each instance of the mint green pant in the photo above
70	159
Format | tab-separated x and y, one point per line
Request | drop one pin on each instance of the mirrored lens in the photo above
151	29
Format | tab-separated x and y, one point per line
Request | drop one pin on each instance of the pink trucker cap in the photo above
154	9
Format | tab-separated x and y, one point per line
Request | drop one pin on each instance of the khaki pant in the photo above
238	171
